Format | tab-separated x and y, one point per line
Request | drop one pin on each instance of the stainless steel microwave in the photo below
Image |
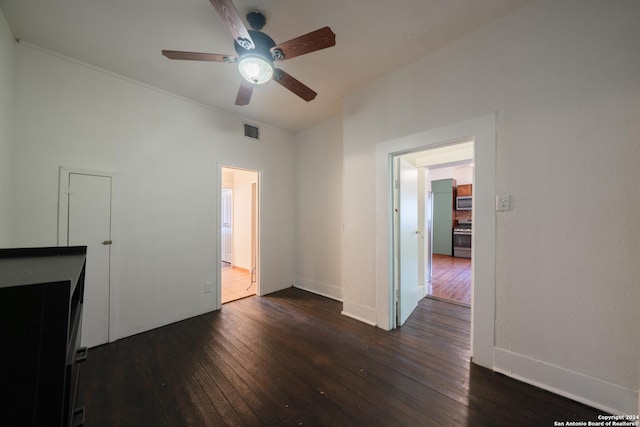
463	203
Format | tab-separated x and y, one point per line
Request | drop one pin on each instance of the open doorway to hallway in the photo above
431	226
239	234
481	131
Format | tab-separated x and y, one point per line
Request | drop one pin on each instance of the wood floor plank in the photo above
176	375
451	279
140	401
228	367
249	406
295	389
301	345
291	359
102	377
236	283
168	385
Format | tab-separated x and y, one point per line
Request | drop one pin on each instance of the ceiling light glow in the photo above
255	69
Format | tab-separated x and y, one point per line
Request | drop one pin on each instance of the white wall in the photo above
6	129
167	154
319	209
562	77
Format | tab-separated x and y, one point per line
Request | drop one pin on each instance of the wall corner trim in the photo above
359	312
582	388
319	288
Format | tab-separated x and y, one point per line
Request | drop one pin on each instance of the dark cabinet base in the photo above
41	296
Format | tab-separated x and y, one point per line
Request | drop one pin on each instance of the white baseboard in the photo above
319	288
591	391
359	312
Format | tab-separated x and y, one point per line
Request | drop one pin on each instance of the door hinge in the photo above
397	183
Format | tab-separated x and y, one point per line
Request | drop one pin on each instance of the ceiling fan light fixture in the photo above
256	52
255	69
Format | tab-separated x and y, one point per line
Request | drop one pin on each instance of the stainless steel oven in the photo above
462	236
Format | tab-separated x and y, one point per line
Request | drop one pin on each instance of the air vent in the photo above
251	131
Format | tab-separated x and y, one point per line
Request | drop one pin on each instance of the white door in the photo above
226	223
89	216
408	238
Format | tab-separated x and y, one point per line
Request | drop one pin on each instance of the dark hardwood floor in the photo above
291	359
451	279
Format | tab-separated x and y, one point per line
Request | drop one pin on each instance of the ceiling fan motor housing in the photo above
263	43
256	20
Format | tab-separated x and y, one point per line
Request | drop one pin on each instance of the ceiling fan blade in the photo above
244	93
196	56
233	21
294	85
310	42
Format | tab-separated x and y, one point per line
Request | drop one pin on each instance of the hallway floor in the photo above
235	282
451	279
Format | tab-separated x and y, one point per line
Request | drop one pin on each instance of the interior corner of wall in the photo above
359	312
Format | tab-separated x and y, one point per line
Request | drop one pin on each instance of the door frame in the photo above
258	231
222	193
483	276
63	230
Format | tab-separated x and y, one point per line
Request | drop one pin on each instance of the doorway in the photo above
424	215
85	210
239	236
482	130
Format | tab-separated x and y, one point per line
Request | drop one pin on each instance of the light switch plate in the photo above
207	287
503	203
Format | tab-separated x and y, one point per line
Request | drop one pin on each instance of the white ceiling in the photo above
373	38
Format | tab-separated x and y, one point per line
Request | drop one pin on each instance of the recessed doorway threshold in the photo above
237	283
450	301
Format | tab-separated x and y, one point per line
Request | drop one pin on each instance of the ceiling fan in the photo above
256	52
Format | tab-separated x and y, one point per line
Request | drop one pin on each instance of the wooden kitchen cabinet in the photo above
465	190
